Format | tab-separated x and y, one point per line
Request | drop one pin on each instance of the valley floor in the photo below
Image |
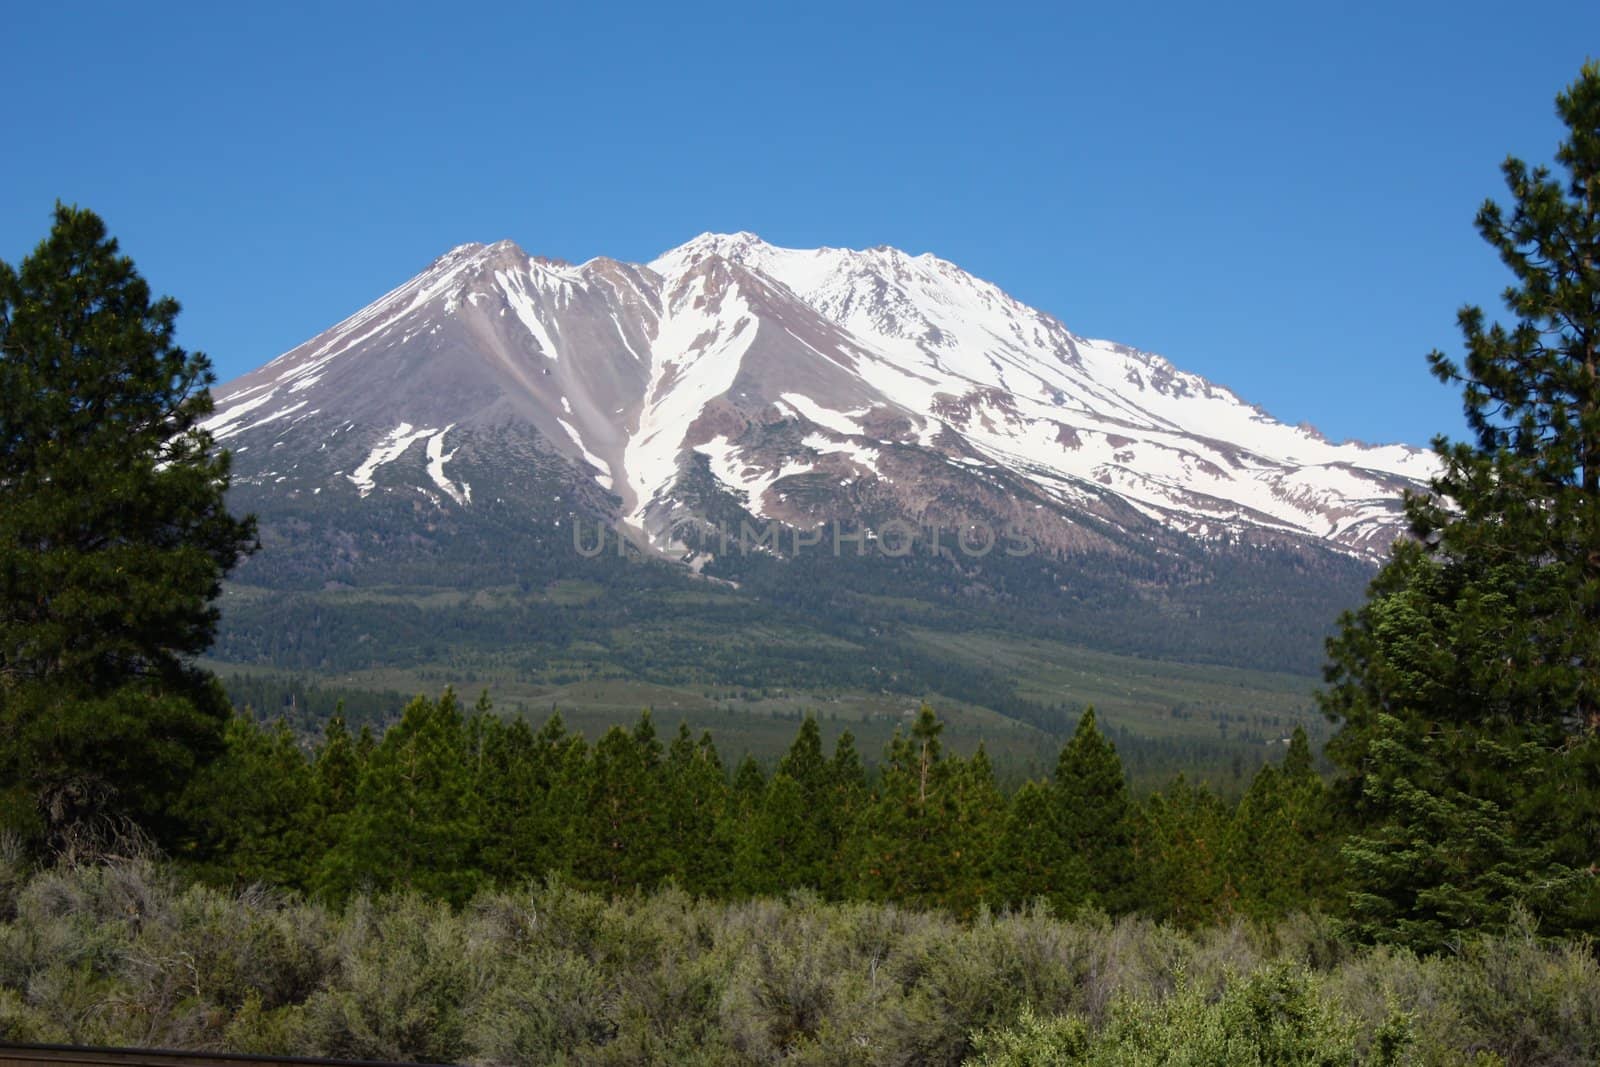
1213	723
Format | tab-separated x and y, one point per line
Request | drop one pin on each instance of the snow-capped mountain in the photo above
798	386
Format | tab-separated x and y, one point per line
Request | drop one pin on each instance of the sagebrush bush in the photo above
130	955
1276	1015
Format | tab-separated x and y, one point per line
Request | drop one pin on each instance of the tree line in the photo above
449	801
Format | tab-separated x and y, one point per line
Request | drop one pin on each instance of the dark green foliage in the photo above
258	804
1469	684
926	836
781	846
1283	846
418	819
796	834
1034	859
512	778
695	795
1095	815
335	782
446	803
907	835
1182	852
1441	862
979	813
114	539
621	831
840	812
749	783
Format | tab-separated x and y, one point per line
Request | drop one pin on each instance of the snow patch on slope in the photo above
695	356
841	422
744	477
437	458
515	286
391	448
604	469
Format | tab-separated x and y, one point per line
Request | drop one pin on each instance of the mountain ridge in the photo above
779	369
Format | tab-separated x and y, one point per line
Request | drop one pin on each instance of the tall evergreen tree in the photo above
253	805
978	813
1095	814
1282	853
621	839
114	538
1480	639
564	767
1297	762
335	781
792	837
845	769
695	792
513	800
417	823
781	847
1446	862
749	786
907	836
1034	860
1181	842
847	783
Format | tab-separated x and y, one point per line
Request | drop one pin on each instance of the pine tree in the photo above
417	823
696	797
1256	842
114	538
513	800
1282	853
845	769
366	745
790	838
1095	814
338	768
335	781
847	783
1297	763
1443	862
1035	861
253	804
749	786
621	840
1480	639
1181	847
978	814
907	838
781	847
564	766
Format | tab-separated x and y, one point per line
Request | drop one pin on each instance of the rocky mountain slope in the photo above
517	470
730	377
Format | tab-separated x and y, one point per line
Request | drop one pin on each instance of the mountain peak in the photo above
786	375
742	239
734	247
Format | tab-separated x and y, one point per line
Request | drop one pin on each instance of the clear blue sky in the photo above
1277	196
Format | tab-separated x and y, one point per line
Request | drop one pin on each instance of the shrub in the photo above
128	955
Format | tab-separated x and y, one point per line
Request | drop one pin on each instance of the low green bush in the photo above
130	954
